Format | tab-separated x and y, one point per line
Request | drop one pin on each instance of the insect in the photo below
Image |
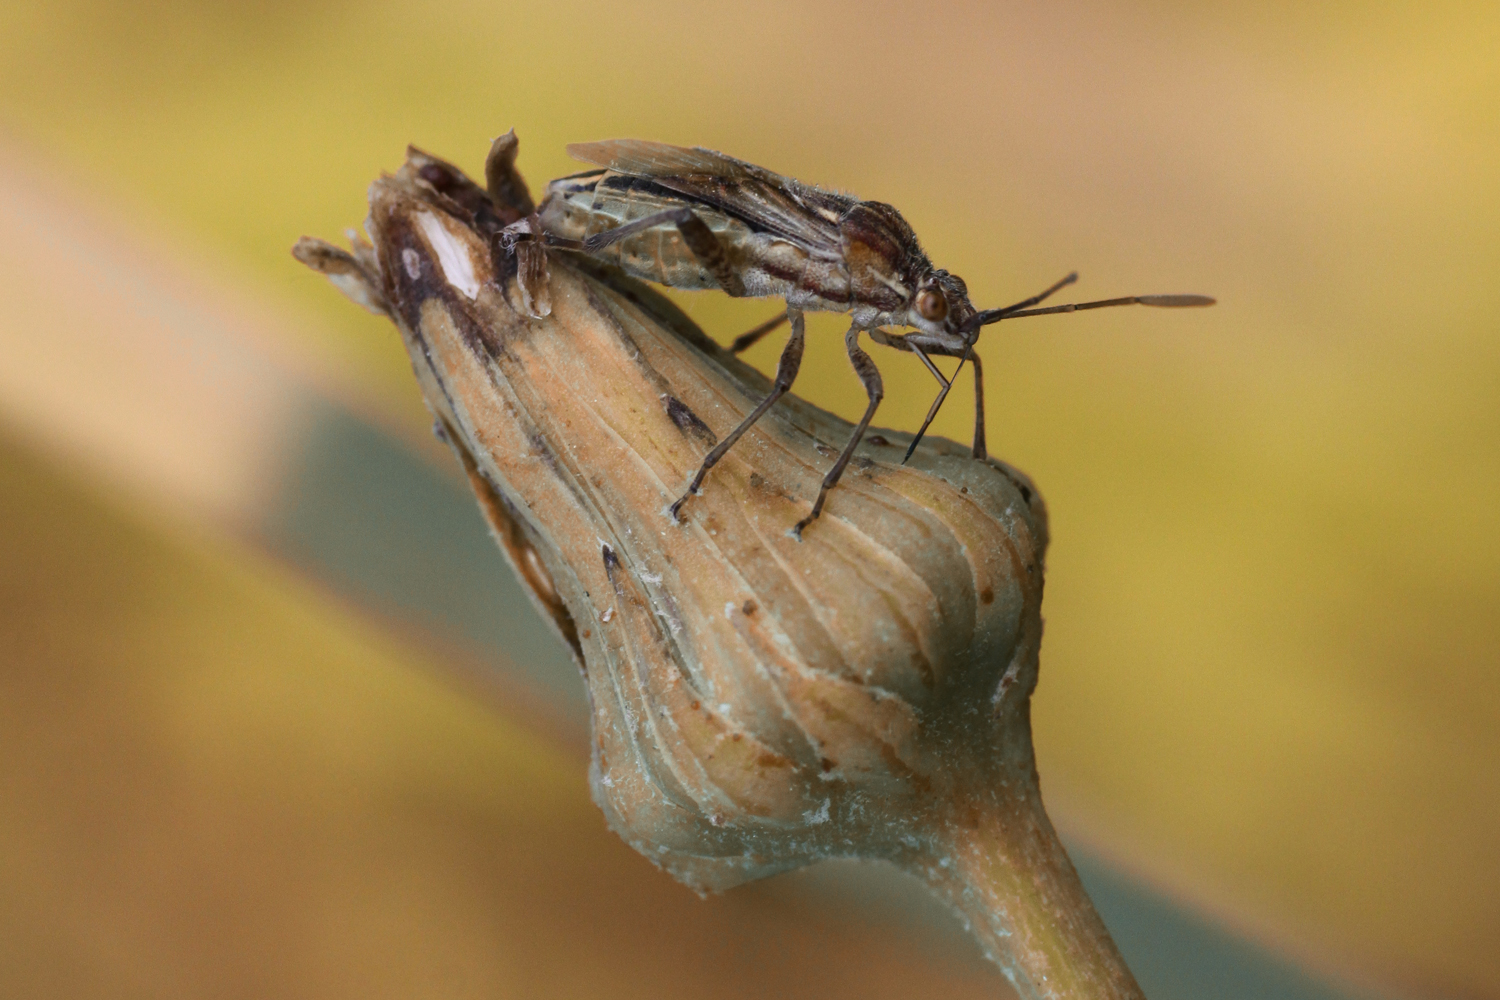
694	218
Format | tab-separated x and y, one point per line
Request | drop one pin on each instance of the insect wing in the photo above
641	158
765	200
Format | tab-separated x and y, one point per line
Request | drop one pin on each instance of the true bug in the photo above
694	218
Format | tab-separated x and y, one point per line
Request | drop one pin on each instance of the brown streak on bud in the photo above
686	420
524	558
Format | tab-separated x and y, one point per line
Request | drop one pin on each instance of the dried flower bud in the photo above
758	702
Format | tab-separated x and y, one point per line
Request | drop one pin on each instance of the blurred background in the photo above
254	740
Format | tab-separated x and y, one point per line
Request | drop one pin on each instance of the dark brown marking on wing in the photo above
878	241
626	185
763	199
784	212
644	158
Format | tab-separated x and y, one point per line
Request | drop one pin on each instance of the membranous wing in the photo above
766	201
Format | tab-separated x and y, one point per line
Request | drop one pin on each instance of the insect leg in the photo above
942	380
752	337
937	404
979	451
875	389
786	373
695	233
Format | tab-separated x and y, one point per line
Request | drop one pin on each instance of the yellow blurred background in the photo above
231	764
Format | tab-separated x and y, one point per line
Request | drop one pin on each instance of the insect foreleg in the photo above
751	337
695	233
865	368
786	374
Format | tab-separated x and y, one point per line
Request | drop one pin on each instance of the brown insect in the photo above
694	218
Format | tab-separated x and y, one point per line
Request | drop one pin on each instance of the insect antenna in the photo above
1023	308
1160	301
971	331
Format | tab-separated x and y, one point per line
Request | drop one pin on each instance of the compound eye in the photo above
931	305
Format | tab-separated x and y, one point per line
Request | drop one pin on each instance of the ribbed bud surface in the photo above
758	702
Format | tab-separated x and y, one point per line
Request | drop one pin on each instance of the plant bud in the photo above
758	702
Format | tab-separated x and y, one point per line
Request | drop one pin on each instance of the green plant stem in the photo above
995	858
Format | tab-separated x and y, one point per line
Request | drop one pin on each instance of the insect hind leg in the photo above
786	374
695	233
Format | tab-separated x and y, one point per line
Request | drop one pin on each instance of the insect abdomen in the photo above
578	207
657	254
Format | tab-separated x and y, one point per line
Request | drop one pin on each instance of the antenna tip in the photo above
1176	301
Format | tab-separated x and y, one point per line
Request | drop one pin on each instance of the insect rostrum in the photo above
694	218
